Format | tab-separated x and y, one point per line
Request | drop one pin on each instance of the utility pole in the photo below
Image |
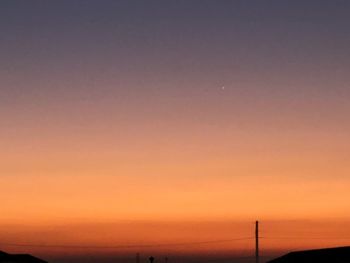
137	257
256	241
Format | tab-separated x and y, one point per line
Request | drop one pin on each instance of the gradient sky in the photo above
114	116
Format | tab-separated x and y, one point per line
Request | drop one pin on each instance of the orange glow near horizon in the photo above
88	189
174	237
102	198
216	175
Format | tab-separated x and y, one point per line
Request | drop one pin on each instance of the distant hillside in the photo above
326	255
19	258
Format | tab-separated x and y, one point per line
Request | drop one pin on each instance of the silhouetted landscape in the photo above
19	258
326	255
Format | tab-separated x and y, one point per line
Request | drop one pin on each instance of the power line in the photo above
126	246
344	238
230	258
257	242
166	244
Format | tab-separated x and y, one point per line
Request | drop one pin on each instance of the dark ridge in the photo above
19	258
325	255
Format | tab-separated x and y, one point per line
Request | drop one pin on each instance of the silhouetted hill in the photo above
19	258
326	255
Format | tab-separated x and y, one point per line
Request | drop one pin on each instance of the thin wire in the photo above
305	238
126	246
230	258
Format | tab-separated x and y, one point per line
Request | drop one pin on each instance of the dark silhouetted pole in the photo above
257	241
138	258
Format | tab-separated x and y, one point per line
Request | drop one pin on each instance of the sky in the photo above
164	122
